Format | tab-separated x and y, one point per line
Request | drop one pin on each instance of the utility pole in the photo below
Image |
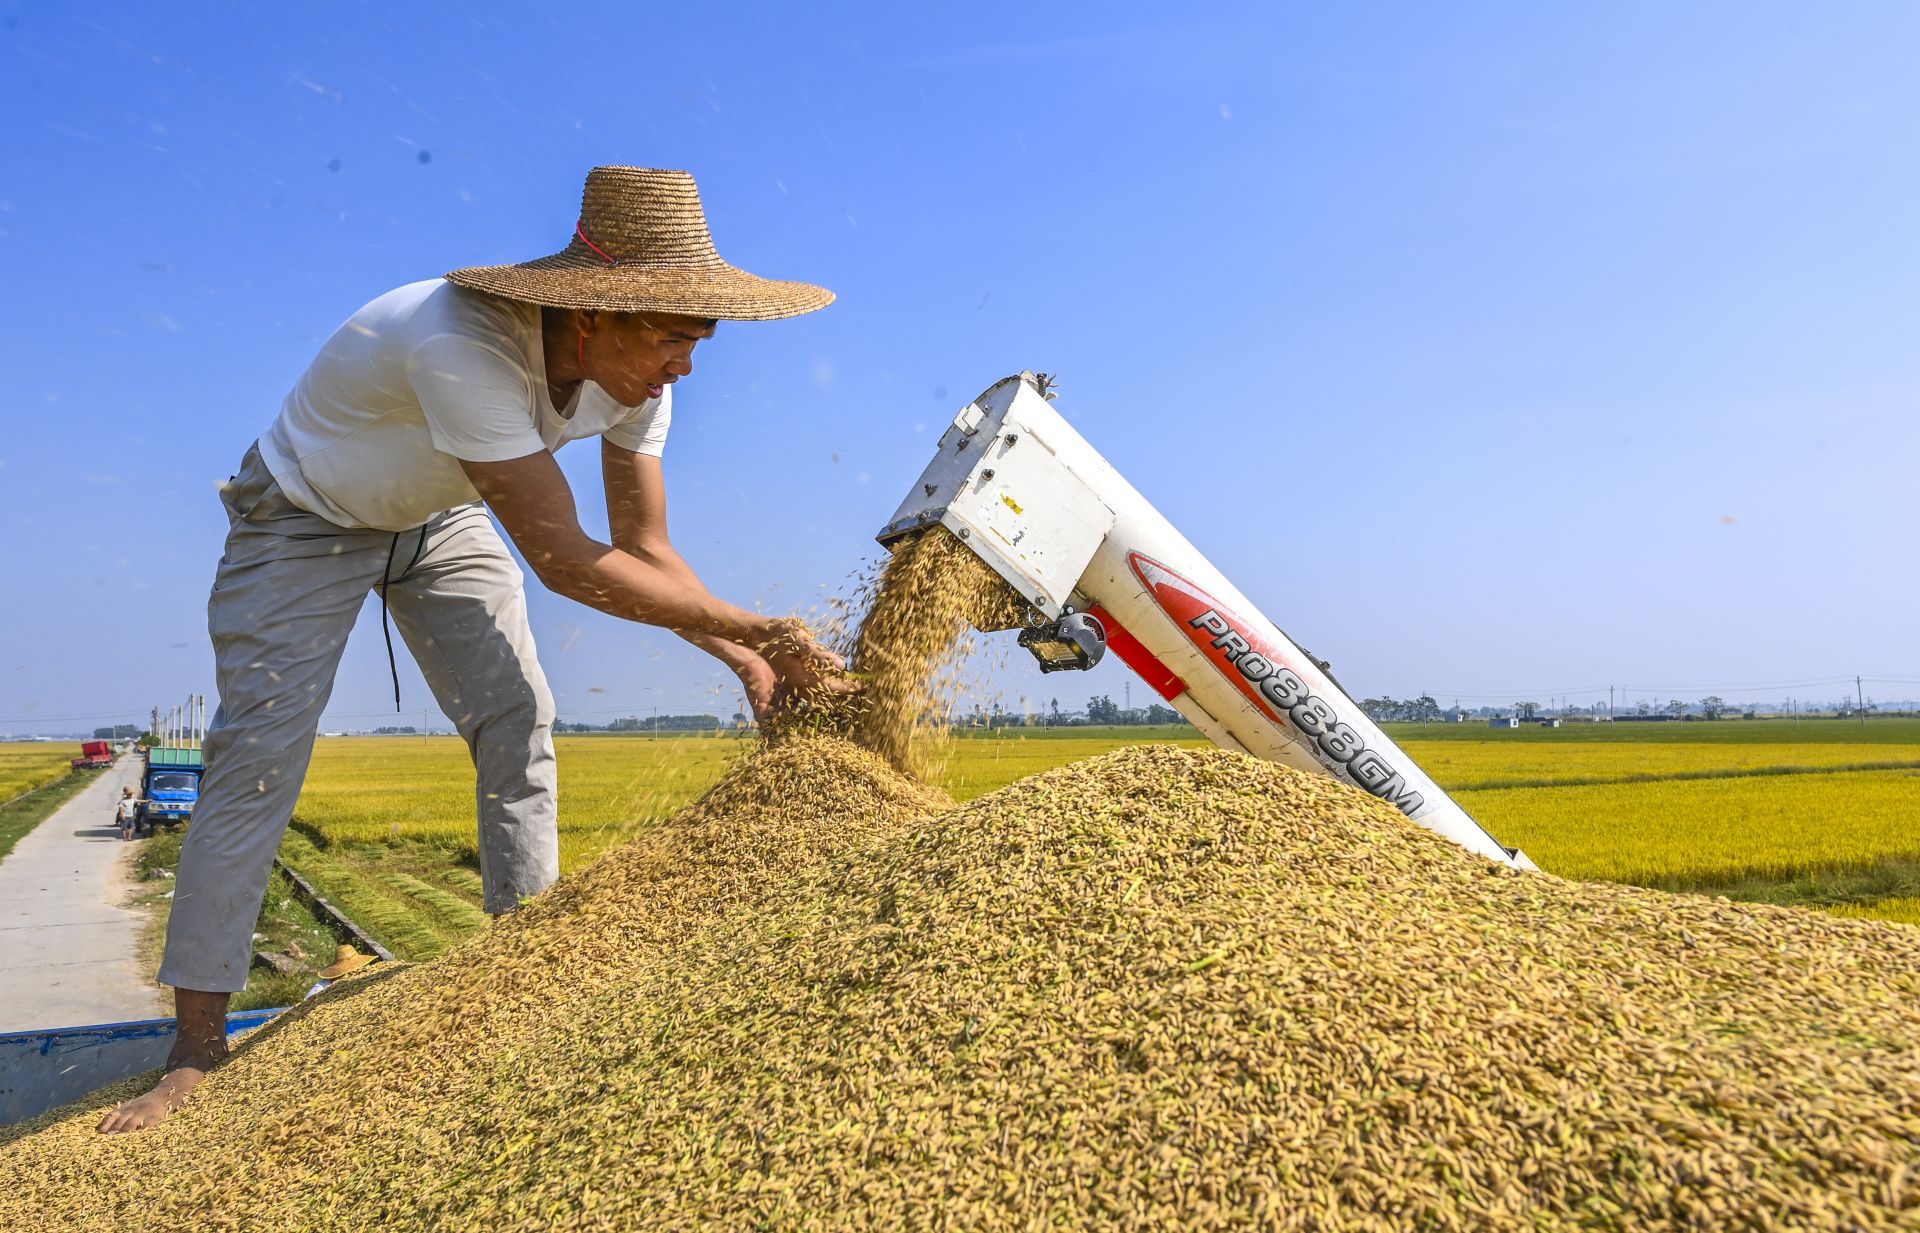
425	725
1861	696
1609	702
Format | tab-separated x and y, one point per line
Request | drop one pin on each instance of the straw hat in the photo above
345	959
641	245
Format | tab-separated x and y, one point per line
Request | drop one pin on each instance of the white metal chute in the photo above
1025	491
997	481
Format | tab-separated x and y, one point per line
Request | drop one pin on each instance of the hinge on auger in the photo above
1073	643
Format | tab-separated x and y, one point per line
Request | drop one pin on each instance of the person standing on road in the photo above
126	812
431	405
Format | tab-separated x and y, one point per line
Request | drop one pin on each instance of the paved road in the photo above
67	947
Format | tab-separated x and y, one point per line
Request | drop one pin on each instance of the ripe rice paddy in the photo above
1491	764
26	765
1757	809
1682	831
379	789
1905	909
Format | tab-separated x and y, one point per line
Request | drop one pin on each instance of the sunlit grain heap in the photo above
1163	989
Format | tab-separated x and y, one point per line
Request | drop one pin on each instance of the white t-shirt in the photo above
424	377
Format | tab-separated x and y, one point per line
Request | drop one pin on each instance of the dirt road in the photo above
67	946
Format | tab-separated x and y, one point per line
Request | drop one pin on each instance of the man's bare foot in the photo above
152	1108
199	1044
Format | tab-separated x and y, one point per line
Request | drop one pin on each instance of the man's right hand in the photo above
804	671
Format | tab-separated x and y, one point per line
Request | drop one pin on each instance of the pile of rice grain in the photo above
379	1063
1162	989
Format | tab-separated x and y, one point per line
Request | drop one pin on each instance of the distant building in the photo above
1503	721
1547	723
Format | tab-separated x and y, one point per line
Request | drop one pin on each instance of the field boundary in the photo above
385	904
321	904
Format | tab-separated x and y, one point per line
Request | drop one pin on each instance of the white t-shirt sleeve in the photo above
644	430
478	402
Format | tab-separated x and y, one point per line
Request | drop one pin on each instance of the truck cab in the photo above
171	784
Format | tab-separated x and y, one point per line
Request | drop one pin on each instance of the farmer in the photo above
430	406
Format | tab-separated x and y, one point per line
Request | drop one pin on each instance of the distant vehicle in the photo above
94	755
171	785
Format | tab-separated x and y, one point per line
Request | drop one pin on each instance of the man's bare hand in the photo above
804	671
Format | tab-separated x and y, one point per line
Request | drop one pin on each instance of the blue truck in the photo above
170	786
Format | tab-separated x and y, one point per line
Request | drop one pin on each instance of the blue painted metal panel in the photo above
47	1069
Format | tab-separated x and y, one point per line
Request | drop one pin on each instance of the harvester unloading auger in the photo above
1102	570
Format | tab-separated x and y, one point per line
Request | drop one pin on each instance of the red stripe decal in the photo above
1189	606
1138	657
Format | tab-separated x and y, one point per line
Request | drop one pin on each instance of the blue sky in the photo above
1496	351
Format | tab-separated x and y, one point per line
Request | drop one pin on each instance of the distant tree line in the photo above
1100	710
1425	708
119	732
1104	711
1412	710
653	723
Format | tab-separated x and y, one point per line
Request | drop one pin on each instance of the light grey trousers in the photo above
284	599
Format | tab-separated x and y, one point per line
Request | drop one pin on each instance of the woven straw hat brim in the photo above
722	292
642	245
339	968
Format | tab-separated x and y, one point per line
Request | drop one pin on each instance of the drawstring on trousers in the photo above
386	580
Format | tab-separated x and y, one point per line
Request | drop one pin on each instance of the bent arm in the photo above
531	498
637	513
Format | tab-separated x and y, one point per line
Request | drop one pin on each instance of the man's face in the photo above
634	356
